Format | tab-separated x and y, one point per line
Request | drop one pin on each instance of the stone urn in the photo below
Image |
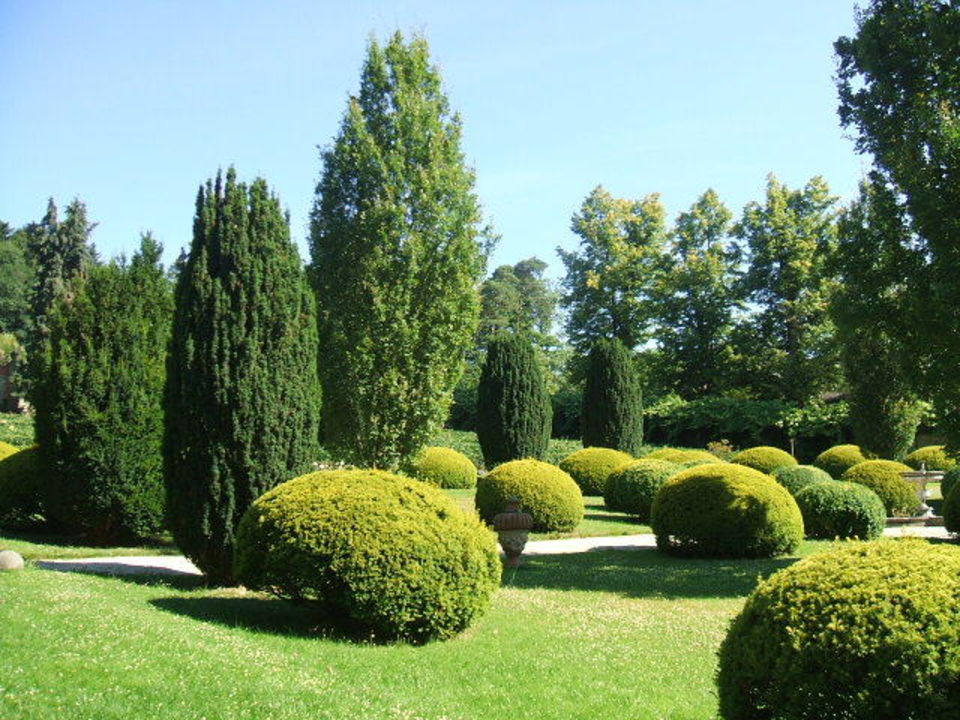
513	527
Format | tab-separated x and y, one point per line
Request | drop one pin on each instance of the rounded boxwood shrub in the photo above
796	477
868	630
391	557
932	457
837	509
725	510
682	455
591	467
632	487
443	467
837	460
546	492
21	488
951	509
884	478
764	458
949	481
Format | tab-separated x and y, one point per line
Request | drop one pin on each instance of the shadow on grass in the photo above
645	573
40	536
260	614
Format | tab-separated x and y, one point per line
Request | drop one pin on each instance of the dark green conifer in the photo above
612	413
513	404
242	396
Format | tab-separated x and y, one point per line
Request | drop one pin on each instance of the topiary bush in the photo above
443	467
932	457
836	509
682	455
546	492
591	467
796	477
951	509
837	460
764	458
949	481
21	487
393	557
632	486
612	414
864	631
884	478
725	510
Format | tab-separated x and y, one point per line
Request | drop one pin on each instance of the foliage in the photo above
17	429
816	419
393	557
837	460
518	299
610	282
833	509
567	403
725	510
764	458
632	486
545	491
867	630
677	421
612	414
951	508
241	399
683	455
796	477
933	457
591	466
396	259
17	272
885	479
21	489
99	405
443	467
513	406
949	481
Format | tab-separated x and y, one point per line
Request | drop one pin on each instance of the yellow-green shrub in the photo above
682	456
545	491
21	488
836	509
932	457
443	467
764	458
591	467
394	558
838	459
796	477
632	486
884	477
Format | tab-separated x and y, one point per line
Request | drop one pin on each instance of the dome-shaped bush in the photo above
835	509
682	455
725	510
949	481
546	492
932	457
632	487
393	557
443	467
591	467
862	632
764	458
885	478
21	488
6	449
837	460
951	509
796	477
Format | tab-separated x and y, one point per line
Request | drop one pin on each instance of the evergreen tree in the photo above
17	273
612	414
513	405
397	257
241	400
99	418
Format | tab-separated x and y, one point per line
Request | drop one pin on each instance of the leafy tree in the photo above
517	298
17	272
99	416
899	85
786	347
241	400
397	255
698	297
513	405
610	280
612	414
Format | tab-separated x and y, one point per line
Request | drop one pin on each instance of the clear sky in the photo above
129	105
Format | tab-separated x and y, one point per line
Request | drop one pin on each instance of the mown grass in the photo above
37	546
596	635
16	429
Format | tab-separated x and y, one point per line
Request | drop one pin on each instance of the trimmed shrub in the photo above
444	467
725	510
612	414
21	485
836	509
951	509
932	457
513	404
837	460
764	458
591	467
884	478
394	557
683	455
868	630
546	492
6	450
796	477
631	487
949	481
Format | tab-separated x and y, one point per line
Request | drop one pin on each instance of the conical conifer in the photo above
612	413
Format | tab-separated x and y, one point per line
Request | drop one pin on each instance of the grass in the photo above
596	635
16	429
37	546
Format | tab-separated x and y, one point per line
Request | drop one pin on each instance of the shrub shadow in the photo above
257	613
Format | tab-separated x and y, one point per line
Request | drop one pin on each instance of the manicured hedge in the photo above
884	477
591	467
632	487
838	459
545	491
932	457
21	489
835	509
682	455
443	467
796	477
764	458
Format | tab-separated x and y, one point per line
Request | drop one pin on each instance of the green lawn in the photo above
37	546
596	635
16	429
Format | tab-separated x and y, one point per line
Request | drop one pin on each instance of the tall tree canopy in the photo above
17	272
517	298
397	254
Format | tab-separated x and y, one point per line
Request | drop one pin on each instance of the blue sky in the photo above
130	105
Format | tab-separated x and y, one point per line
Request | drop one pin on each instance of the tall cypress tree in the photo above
513	405
397	257
242	397
612	413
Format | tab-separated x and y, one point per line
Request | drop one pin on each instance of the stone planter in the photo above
513	528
